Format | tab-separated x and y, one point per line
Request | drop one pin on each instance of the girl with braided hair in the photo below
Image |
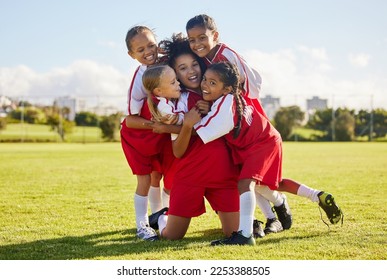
203	36
256	146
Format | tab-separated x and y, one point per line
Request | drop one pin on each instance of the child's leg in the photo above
165	197
273	225
247	206
229	221
141	199
244	235
325	200
264	205
281	206
290	186
141	208
154	192
173	227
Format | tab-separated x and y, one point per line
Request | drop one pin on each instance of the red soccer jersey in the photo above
258	146
250	78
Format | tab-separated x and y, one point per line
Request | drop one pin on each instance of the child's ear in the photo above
216	36
157	91
131	54
227	90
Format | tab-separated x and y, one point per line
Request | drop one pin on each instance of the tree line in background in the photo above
330	125
58	118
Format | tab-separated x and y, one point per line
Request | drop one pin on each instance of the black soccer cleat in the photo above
328	204
236	238
154	218
283	213
257	229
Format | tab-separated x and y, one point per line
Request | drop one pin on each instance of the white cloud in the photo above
359	60
291	74
295	75
94	82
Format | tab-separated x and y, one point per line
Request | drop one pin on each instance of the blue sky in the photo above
333	49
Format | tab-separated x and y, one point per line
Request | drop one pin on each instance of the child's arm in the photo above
135	121
181	143
159	127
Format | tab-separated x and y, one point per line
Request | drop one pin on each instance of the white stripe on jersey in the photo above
137	93
251	78
219	121
167	107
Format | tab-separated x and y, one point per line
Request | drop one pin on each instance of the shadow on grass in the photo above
116	243
96	246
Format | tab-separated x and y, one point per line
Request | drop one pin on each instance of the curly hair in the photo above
176	46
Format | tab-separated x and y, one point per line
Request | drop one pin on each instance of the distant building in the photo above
315	104
270	105
6	105
104	110
5	101
74	104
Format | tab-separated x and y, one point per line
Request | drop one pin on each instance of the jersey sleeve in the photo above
250	77
219	121
137	93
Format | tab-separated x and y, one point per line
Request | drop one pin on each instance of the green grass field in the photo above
75	201
17	132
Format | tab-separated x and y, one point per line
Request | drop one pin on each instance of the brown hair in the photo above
138	29
202	20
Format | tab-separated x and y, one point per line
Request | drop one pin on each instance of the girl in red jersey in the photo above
255	144
144	150
205	171
204	41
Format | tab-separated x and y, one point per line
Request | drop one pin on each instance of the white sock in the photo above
273	196
141	208
309	193
154	199
247	207
265	206
165	198
162	222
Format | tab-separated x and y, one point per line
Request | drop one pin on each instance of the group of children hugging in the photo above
195	123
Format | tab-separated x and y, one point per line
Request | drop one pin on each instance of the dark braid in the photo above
229	75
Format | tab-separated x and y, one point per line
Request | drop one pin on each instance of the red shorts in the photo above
205	171
264	165
142	149
168	166
188	200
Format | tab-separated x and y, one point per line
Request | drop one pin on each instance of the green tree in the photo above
58	122
287	119
379	123
344	126
86	119
110	126
341	127
31	114
3	123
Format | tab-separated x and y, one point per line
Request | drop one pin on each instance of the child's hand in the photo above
203	106
192	117
156	127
